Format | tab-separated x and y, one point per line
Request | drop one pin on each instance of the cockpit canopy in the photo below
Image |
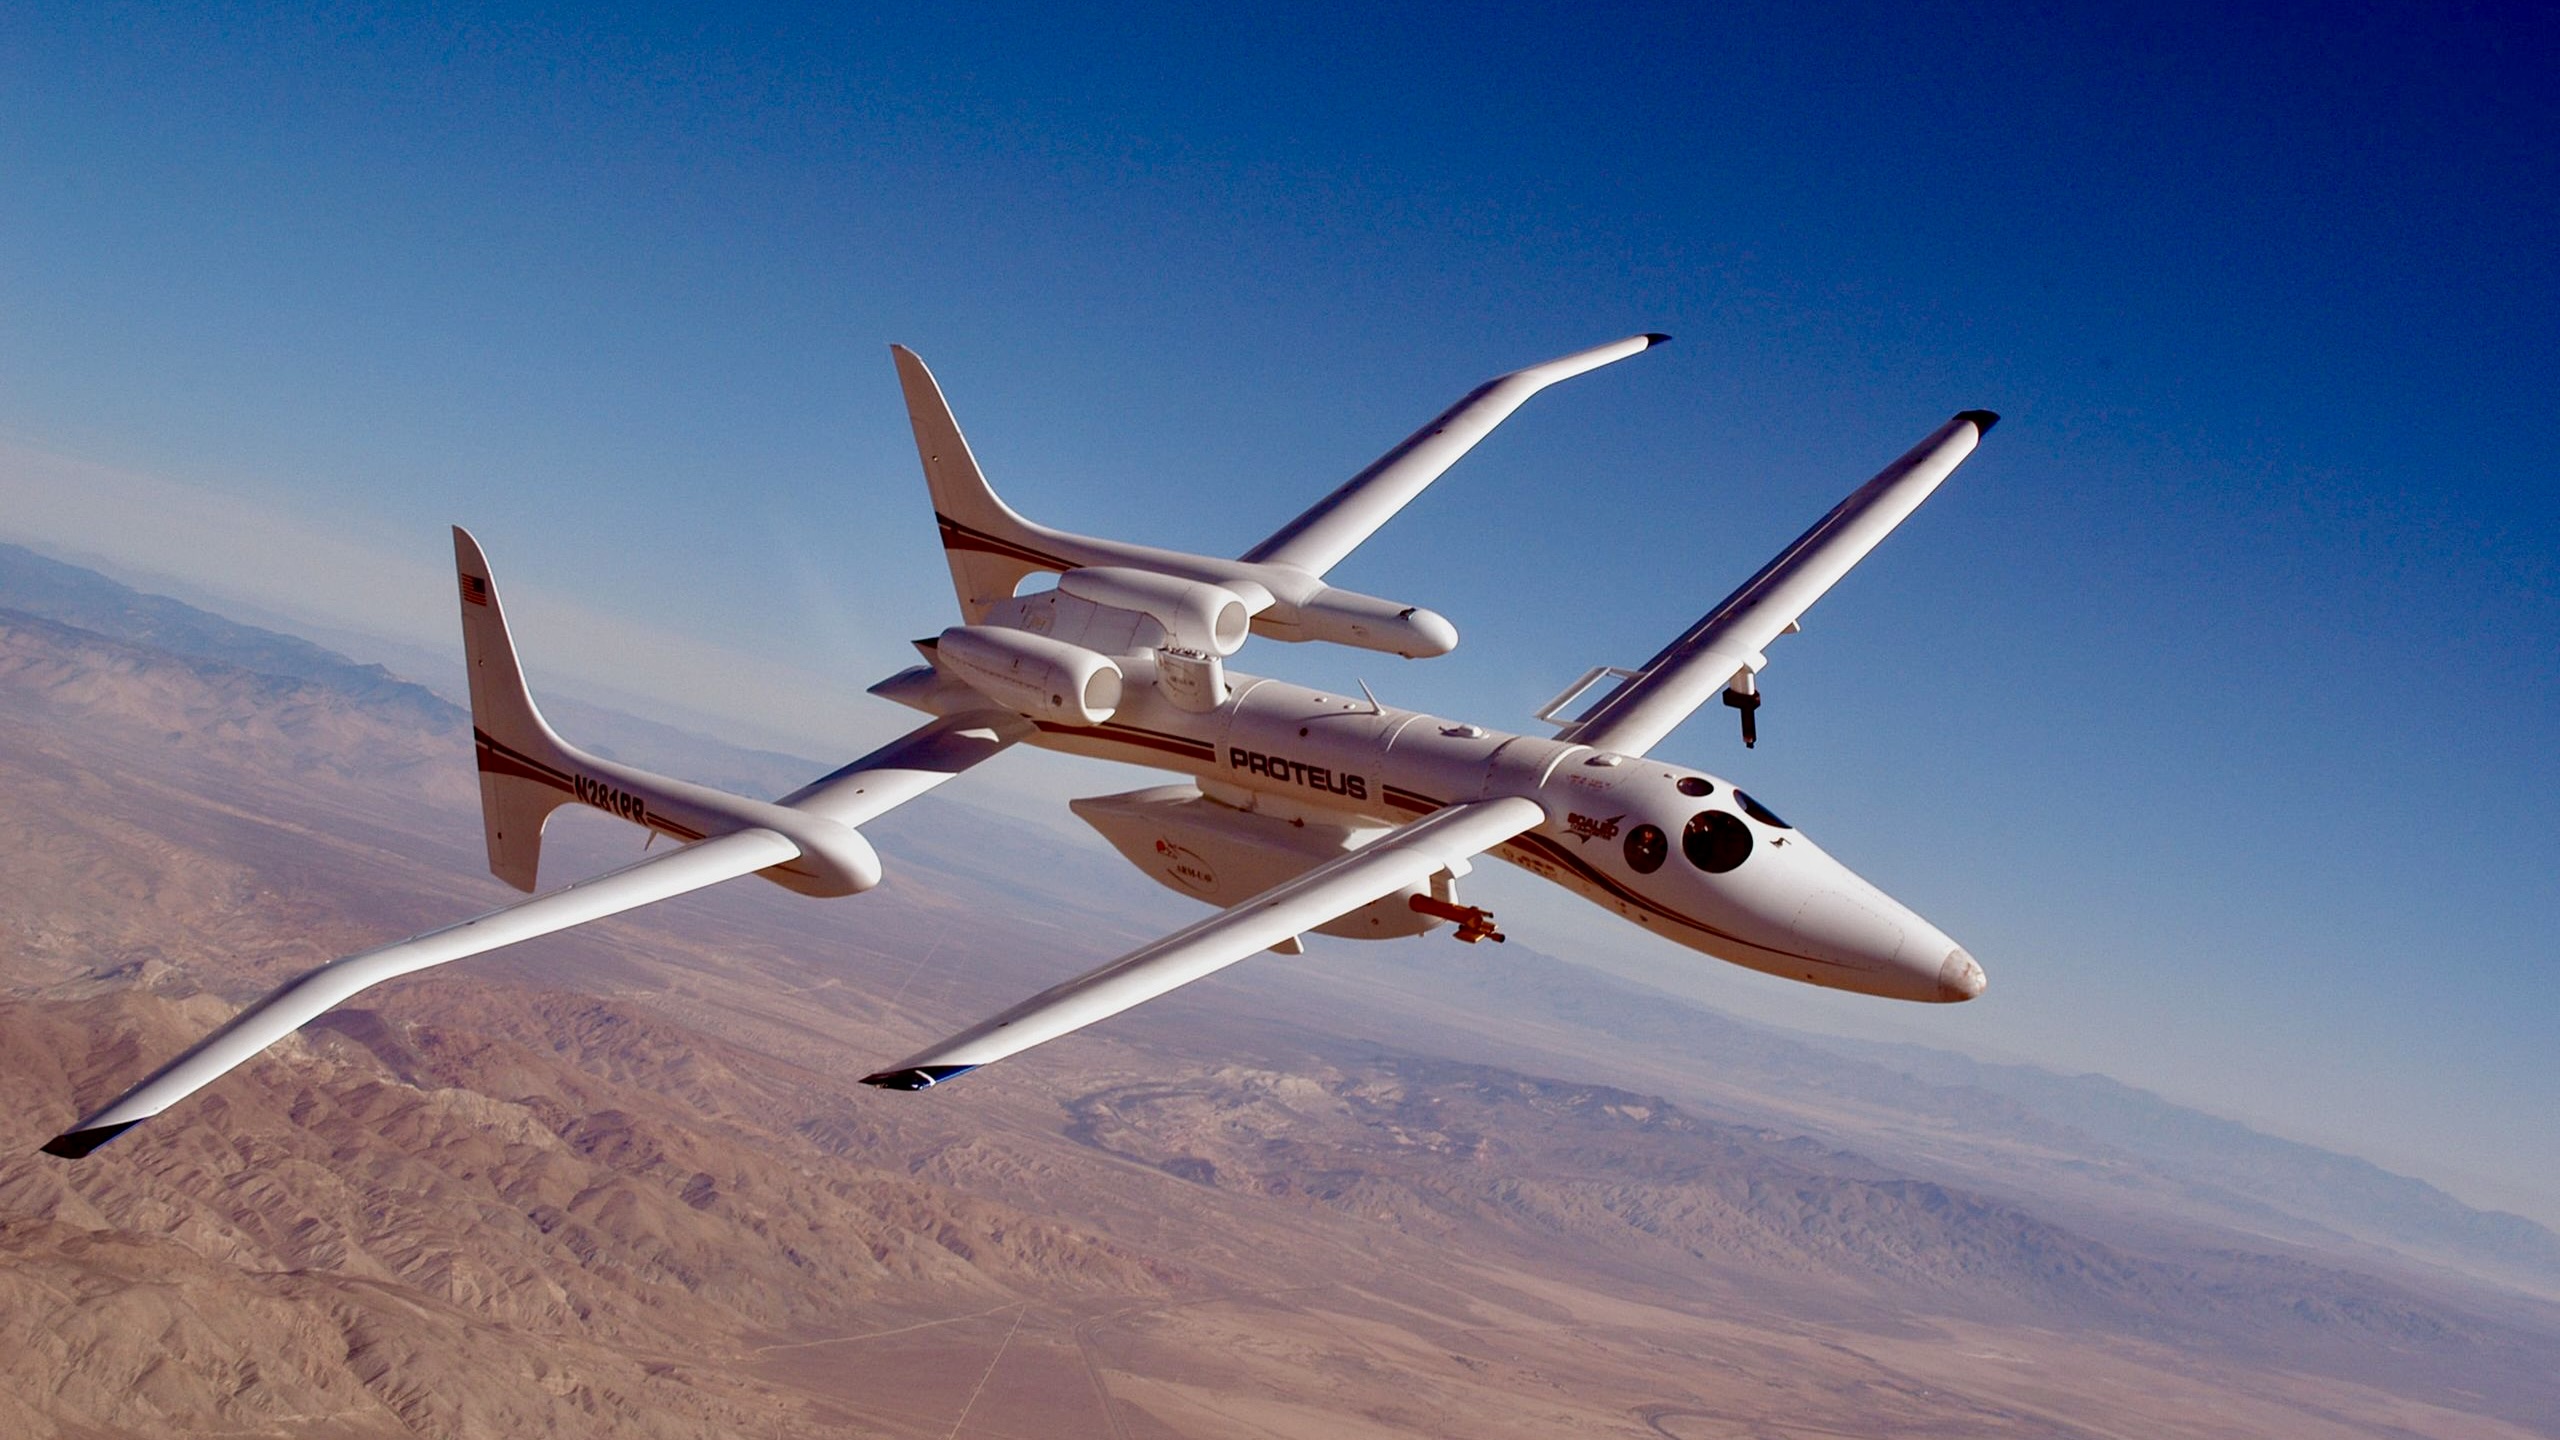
1714	840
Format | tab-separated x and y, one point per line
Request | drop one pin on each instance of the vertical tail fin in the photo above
523	775
989	546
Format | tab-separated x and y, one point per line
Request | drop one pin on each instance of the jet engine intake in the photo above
1035	675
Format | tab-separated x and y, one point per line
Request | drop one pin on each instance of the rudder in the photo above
522	777
989	547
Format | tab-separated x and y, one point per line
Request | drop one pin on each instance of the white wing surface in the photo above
707	862
1728	643
881	781
1319	539
1408	856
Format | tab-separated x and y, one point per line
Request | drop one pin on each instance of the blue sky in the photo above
2212	704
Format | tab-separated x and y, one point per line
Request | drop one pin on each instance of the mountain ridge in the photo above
624	1180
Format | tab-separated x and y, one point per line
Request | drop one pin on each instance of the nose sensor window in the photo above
1715	842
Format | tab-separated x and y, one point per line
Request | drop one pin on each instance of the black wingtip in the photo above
73	1144
915	1077
1982	420
1653	338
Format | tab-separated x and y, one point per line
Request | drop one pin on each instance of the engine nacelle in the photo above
1194	614
1190	843
1040	677
1347	617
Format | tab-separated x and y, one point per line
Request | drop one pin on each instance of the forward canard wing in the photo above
1335	526
1724	650
1405	857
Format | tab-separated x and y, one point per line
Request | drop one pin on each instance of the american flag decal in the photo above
475	591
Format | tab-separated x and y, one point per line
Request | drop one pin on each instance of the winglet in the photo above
1655	337
916	1077
1982	420
73	1144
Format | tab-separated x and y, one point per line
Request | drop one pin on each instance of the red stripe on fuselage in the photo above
1131	735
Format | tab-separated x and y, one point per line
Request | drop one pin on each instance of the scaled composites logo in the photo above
1314	777
1586	828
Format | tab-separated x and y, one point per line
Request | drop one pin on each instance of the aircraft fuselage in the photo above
1679	852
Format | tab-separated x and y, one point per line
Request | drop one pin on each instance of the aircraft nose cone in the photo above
1960	977
1839	927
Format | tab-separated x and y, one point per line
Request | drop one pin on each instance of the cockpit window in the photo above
1715	841
1694	785
1646	847
1760	812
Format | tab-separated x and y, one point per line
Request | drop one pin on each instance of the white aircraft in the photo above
1307	811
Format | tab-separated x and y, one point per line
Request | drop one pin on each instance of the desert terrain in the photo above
624	1182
